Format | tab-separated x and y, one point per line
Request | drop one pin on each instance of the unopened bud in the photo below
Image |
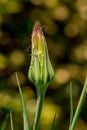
40	71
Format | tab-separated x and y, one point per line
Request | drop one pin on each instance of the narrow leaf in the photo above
4	123
25	114
79	106
53	122
11	121
71	104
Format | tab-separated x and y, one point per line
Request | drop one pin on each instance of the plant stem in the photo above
11	120
71	105
40	99
79	106
38	112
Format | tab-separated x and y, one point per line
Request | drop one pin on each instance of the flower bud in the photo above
40	71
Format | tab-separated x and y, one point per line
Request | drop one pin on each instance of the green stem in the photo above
79	106
71	105
38	112
11	120
40	99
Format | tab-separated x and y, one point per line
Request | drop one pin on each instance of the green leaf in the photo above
71	104
25	114
53	122
4	123
11	121
79	106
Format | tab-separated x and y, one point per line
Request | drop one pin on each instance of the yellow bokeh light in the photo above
62	75
71	30
61	13
8	101
83	12
74	70
3	61
48	113
80	52
37	2
13	6
17	58
3	1
50	3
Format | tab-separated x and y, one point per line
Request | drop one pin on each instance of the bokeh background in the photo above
64	24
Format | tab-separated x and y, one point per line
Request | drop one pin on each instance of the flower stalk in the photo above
40	99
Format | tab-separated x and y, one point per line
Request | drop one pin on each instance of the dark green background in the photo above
64	23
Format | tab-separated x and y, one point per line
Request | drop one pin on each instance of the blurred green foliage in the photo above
64	24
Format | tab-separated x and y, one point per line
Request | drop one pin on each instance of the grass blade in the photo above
53	122
71	104
79	106
25	114
4	123
11	121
